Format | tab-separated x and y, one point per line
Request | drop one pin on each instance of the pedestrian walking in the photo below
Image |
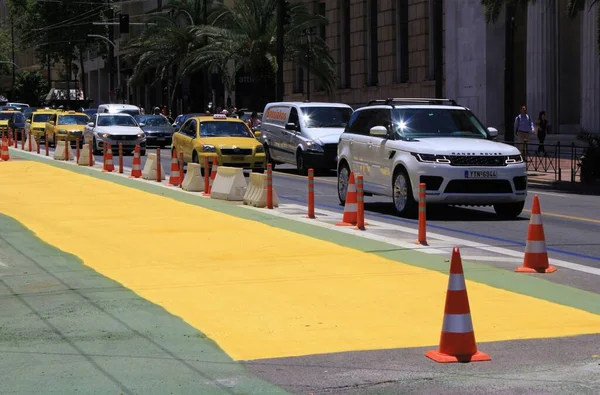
523	128
541	132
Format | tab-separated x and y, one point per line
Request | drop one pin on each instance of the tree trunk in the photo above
82	80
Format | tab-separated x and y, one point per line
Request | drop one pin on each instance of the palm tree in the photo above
244	37
493	8
166	41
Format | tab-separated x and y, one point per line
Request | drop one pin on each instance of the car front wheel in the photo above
404	202
509	210
342	182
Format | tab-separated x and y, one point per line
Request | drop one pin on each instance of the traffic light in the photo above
124	23
287	14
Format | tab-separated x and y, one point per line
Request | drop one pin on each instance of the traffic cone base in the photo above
447	358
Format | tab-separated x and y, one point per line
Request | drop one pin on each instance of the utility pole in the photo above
12	38
111	51
279	86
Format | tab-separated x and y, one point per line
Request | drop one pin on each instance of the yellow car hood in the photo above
71	128
4	123
228	142
41	125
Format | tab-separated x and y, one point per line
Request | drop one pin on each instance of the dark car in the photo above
159	131
90	112
182	118
17	123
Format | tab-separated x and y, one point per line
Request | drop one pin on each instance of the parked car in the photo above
159	132
106	128
396	144
304	134
17	123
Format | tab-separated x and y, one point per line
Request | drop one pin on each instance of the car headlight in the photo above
430	158
259	149
141	135
106	135
208	148
511	159
313	146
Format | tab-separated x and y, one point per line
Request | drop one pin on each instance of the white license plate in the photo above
481	174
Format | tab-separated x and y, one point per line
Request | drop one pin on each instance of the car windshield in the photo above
41	117
154	121
326	117
116	120
224	129
5	116
73	120
19	118
432	122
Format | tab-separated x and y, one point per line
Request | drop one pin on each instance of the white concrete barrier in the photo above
84	156
60	151
150	168
193	181
256	193
34	145
229	184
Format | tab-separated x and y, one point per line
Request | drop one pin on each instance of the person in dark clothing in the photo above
542	131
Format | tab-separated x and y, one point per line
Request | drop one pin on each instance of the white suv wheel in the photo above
343	177
403	199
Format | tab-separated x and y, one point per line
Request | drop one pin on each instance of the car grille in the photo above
236	151
492	160
330	149
158	135
478	186
125	137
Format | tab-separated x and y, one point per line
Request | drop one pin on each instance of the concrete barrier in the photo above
149	172
193	181
60	151
84	156
256	193
229	184
34	145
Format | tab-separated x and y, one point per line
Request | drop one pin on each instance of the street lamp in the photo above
307	38
116	52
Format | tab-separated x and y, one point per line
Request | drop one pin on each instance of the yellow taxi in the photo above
66	125
228	139
36	123
5	115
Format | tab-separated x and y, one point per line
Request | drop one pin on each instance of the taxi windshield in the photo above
73	120
224	129
116	120
5	116
41	117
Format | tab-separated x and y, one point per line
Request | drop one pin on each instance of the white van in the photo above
305	134
119	108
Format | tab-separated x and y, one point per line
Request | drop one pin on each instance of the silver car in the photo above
106	128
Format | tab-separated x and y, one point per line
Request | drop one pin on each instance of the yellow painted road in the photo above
258	291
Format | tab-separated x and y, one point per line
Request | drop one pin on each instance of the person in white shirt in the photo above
523	128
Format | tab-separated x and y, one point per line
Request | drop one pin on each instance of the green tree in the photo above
31	88
493	8
5	68
57	30
244	36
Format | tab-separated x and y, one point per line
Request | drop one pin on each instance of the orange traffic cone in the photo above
536	255
175	175
457	343
136	167
213	175
109	165
4	154
351	207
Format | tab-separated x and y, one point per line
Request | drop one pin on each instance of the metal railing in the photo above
552	158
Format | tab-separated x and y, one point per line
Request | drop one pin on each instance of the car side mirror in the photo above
91	124
257	134
28	120
291	126
378	131
142	124
493	132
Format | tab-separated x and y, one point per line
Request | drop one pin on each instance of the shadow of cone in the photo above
457	343
536	255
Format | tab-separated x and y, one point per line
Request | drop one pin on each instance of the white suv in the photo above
395	144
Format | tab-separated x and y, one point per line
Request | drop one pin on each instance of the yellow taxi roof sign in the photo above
220	116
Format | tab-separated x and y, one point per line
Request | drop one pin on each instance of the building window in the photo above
298	86
345	44
402	41
372	41
430	40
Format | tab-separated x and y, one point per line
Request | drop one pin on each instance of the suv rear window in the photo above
434	122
